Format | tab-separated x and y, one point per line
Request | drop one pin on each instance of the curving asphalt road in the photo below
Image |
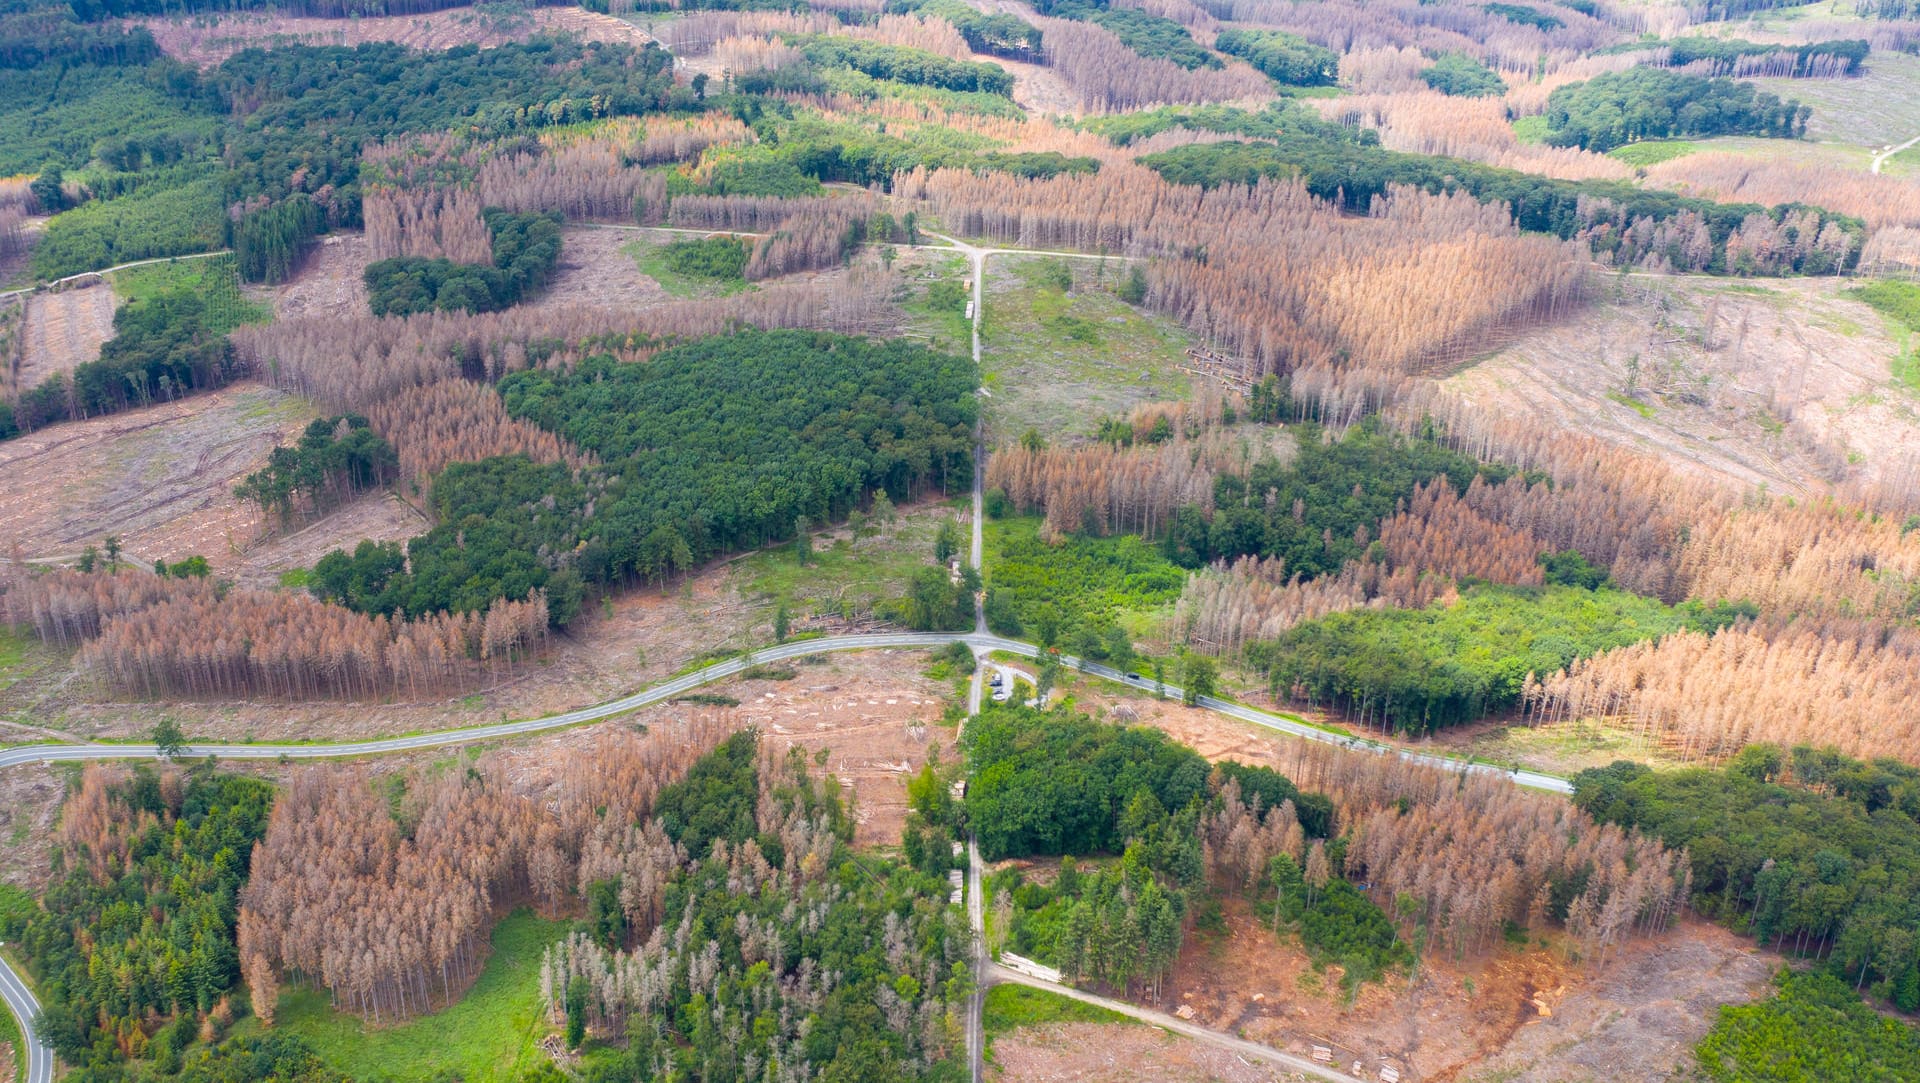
20	1001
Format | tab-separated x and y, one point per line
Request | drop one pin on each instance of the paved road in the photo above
20	1001
48	753
997	973
1531	779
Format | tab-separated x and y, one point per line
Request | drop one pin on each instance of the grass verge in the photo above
1010	1007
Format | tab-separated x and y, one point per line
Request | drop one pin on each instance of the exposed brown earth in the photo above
64	329
1117	1053
378	517
1785	383
161	477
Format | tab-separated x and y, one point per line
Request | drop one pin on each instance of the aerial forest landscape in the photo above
959	541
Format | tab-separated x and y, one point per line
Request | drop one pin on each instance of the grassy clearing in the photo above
850	572
1059	360
216	279
21	656
656	259
1878	108
1899	302
931	279
1010	1007
1559	748
489	1035
1530	129
1652	152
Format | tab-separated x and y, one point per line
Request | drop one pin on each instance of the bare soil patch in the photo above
1785	383
1037	88
594	267
1640	1016
1635	1017
30	799
206	41
64	329
331	282
379	517
1115	1053
161	477
874	713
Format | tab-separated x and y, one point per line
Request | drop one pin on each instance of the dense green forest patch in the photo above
1307	511
336	459
1287	59
1057	782
1418	670
904	65
1153	36
66	90
1086	595
526	248
1807	851
1464	77
1812	1030
1653	103
136	933
723	444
